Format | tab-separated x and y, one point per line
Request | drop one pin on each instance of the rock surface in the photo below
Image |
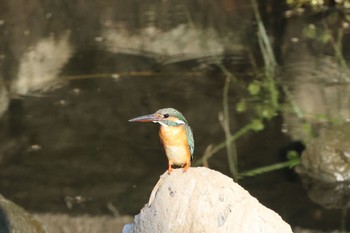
14	219
202	200
65	223
327	157
325	167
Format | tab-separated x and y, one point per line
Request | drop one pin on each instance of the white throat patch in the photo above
161	123
180	122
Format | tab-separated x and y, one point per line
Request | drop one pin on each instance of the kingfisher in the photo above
175	135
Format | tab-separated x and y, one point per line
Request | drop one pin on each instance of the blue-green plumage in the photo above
172	112
176	135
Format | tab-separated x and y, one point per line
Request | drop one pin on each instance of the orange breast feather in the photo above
174	139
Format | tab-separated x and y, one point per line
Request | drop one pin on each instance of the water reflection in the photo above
70	149
47	36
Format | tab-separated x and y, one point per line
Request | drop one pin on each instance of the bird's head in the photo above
165	117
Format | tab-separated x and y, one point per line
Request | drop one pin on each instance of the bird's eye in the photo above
166	115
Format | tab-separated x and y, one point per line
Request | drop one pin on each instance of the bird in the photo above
175	134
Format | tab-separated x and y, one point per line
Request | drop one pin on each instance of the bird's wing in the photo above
190	140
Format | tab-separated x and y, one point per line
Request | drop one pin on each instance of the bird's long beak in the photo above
146	118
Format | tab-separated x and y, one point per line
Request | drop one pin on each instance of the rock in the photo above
202	200
315	82
329	195
327	157
67	223
14	219
325	167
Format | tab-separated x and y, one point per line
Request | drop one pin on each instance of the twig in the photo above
268	56
207	150
257	171
222	145
225	122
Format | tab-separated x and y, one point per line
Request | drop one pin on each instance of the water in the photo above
72	77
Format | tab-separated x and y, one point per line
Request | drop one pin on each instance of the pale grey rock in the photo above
200	201
325	167
66	223
327	157
14	219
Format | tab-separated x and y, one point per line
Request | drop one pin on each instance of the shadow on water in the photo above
76	144
4	223
70	148
74	151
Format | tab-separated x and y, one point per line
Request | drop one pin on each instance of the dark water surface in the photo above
70	149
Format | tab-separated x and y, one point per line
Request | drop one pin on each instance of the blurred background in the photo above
264	84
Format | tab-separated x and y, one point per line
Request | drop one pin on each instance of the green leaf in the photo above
292	154
241	106
326	37
254	88
257	125
310	31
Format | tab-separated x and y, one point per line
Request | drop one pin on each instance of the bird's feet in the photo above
187	165
169	169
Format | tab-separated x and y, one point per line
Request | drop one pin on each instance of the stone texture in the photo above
202	200
65	223
327	157
14	219
325	167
